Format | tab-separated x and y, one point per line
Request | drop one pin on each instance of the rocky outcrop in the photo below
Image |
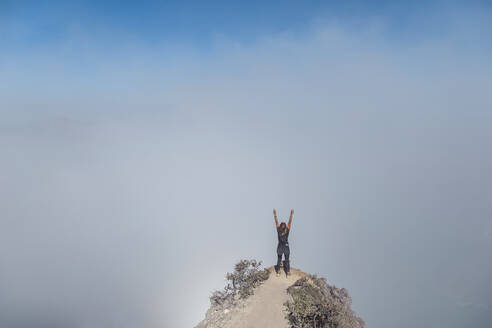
314	303
269	301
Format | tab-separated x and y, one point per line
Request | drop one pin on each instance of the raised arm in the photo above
275	216
290	219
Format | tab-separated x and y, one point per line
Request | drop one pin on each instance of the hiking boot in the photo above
286	266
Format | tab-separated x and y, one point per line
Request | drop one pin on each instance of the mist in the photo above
133	178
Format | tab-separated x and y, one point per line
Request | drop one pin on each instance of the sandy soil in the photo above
264	309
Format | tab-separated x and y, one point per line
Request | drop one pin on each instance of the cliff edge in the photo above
256	298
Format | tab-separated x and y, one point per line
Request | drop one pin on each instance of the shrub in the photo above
246	276
314	303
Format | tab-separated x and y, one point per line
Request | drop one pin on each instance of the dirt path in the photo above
265	307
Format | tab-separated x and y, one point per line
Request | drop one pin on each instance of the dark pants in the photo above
285	250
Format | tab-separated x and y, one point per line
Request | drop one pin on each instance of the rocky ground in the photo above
265	308
298	301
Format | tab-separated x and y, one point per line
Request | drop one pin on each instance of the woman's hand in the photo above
274	212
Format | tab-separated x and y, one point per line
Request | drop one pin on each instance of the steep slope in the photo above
255	298
265	307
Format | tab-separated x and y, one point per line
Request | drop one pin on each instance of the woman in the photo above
283	243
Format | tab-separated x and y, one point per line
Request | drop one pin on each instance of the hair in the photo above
283	228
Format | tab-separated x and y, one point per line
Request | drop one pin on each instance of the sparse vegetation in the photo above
315	304
241	282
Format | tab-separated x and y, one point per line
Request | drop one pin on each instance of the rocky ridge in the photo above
298	301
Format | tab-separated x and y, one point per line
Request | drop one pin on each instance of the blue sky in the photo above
29	24
82	39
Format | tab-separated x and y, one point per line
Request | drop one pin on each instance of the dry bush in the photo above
246	276
314	303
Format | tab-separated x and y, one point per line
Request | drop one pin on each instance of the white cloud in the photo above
131	183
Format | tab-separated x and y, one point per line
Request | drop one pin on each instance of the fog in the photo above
131	183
